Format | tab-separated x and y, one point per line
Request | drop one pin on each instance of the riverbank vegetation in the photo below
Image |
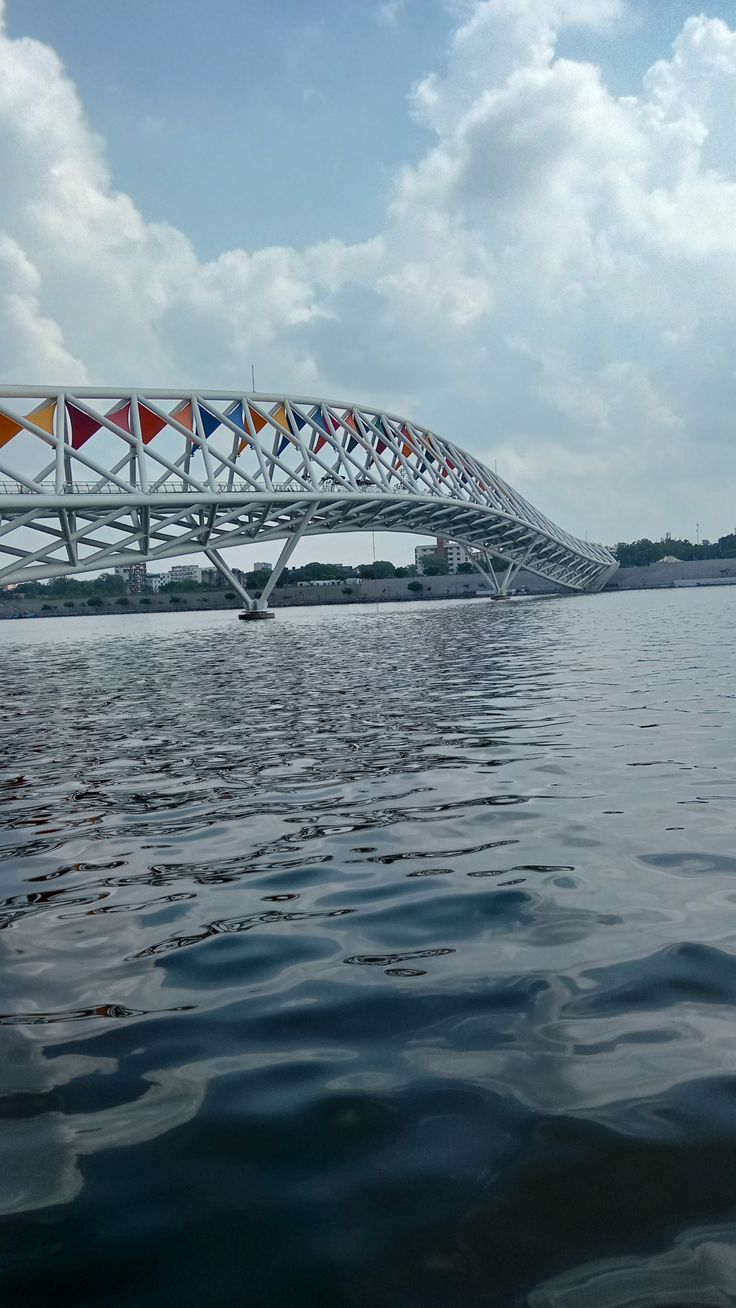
640	553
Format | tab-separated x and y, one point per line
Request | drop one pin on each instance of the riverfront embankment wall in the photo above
392	589
368	592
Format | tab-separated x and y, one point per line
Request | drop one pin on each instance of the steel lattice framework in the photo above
91	479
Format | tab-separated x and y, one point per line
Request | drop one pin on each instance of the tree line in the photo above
110	585
641	553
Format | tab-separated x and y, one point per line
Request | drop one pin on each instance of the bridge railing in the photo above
175	487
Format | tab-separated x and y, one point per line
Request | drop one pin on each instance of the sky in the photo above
513	221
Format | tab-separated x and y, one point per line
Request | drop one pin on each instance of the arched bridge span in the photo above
93	478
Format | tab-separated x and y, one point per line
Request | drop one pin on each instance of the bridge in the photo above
93	478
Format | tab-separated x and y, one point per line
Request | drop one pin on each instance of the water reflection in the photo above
393	932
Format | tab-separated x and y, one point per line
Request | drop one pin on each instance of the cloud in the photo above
552	283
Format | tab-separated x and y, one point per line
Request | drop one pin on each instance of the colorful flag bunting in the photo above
259	422
82	425
151	424
8	429
318	419
184	415
120	416
44	416
210	422
281	417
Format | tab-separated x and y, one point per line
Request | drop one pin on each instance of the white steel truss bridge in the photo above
92	479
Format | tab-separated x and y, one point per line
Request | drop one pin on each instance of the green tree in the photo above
415	586
434	566
466	569
257	580
108	584
95	602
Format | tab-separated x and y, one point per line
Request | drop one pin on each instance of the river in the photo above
370	957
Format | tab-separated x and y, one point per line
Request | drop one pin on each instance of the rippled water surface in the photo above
370	957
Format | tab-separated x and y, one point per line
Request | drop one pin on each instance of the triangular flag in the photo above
281	417
44	416
209	422
184	415
259	422
318	418
297	421
237	416
381	446
82	425
151	424
8	429
121	416
349	420
407	449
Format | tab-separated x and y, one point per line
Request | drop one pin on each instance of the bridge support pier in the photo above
489	574
499	587
257	607
219	563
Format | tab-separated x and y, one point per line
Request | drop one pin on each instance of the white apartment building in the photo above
185	572
443	549
455	555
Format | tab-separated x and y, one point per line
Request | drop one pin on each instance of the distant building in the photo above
455	555
669	558
211	577
156	580
443	549
185	572
324	581
135	577
263	567
421	553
